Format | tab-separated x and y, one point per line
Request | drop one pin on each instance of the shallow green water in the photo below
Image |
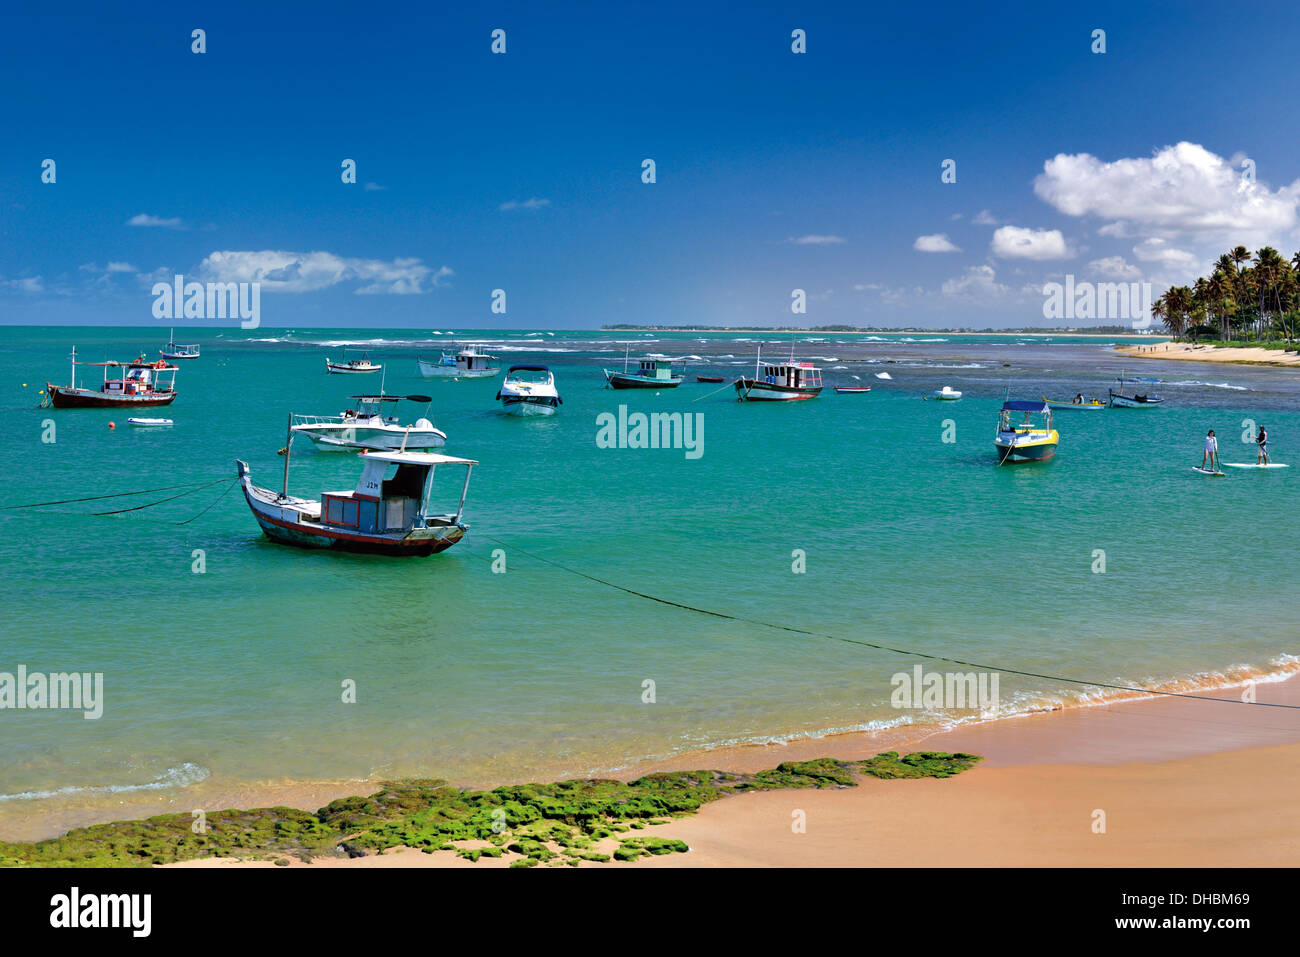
235	674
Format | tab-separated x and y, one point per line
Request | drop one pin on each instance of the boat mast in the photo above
288	450
74	368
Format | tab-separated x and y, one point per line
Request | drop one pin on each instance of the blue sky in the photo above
522	171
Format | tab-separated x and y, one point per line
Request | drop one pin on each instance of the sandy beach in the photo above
1206	353
1167	782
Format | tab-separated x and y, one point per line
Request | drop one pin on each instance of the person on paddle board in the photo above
1211	453
1262	441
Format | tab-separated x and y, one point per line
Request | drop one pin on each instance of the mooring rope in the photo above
169	498
879	647
96	498
233	483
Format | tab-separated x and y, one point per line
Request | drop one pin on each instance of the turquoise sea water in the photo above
234	676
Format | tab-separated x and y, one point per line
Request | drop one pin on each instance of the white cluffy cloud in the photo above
937	243
1020	242
1114	267
280	271
1179	190
145	219
815	240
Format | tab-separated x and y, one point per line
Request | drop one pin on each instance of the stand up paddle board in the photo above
1252	465
1197	468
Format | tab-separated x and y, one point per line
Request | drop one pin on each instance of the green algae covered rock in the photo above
557	823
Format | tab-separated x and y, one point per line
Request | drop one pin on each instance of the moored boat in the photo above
388	513
780	382
142	423
1132	400
139	384
947	394
468	363
365	426
1077	404
852	389
1025	440
351	366
710	378
652	373
175	350
529	390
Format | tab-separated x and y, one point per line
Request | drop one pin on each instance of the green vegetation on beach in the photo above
561	823
1248	299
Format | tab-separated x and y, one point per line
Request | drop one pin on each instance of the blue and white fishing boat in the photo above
654	373
1132	400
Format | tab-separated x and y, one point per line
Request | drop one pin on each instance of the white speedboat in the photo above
468	363
947	393
351	366
529	390
365	426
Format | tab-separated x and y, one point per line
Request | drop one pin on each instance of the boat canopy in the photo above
1022	405
527	369
417	458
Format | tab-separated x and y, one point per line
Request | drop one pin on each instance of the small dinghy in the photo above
710	378
149	423
852	389
947	393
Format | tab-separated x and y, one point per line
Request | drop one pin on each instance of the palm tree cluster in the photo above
1245	297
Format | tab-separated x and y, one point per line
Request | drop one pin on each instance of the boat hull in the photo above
851	390
1120	401
710	378
517	406
756	390
62	397
284	524
431	370
348	439
1035	451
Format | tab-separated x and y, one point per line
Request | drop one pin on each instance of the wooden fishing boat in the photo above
138	384
1025	440
788	381
351	366
653	373
388	513
1132	400
710	378
468	363
1078	404
175	350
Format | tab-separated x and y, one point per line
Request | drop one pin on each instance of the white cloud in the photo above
281	271
978	282
938	243
145	219
984	218
815	240
531	203
1158	250
1114	267
120	267
1179	190
1019	242
31	284
374	188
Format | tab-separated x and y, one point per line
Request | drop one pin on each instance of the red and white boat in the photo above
138	384
780	382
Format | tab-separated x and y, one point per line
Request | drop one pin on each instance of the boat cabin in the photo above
393	493
470	359
793	375
656	369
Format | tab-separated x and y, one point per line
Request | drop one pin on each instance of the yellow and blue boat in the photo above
1026	440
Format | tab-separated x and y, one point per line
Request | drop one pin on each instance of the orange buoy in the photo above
111	426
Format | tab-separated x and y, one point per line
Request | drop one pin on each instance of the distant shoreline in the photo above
895	332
